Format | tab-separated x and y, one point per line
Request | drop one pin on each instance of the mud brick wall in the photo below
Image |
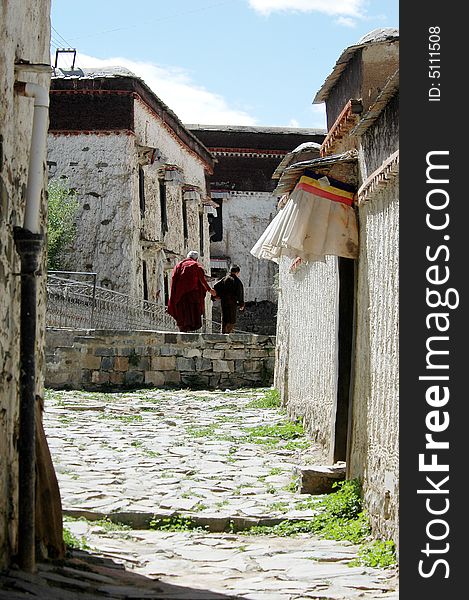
102	360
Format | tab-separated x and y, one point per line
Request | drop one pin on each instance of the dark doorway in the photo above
346	320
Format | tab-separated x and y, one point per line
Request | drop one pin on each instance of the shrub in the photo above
62	209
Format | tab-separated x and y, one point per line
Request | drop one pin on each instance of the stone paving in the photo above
138	456
159	452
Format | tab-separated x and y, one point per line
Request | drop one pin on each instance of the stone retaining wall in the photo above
259	317
103	359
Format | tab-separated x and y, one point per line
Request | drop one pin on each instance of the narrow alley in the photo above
176	485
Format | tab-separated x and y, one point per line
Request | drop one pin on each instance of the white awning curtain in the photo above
318	220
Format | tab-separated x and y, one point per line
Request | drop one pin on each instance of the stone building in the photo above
242	186
337	329
24	81
140	178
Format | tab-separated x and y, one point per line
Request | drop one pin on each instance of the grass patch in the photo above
271	399
293	485
207	431
276	471
109	525
297	445
129	418
273	434
176	523
379	553
310	503
65	419
341	517
279	506
152	453
72	542
230	406
226	418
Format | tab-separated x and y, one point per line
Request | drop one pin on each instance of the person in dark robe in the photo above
230	290
187	295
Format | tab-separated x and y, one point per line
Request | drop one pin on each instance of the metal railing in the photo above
83	304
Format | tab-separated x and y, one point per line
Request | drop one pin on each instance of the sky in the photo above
225	62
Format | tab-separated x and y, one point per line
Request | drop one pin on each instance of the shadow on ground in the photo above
89	577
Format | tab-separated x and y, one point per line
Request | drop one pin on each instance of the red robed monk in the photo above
187	297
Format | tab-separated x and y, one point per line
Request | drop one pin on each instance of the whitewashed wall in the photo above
150	132
306	351
374	453
246	215
24	34
103	170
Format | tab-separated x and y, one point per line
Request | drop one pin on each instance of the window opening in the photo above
145	281
166	277
163	209
184	219
141	191
201	233
216	223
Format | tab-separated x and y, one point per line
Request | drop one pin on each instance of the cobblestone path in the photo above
210	457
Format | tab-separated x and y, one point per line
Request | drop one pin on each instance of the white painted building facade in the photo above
140	181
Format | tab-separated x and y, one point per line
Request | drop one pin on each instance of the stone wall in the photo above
99	360
24	37
306	354
258	317
374	455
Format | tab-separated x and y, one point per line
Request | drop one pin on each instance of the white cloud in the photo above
346	21
293	123
192	103
319	120
343	8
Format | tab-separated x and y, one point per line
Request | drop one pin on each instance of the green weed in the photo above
379	553
176	523
279	506
201	431
341	517
129	418
271	399
109	525
276	471
230	406
151	453
292	486
273	434
310	503
72	542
